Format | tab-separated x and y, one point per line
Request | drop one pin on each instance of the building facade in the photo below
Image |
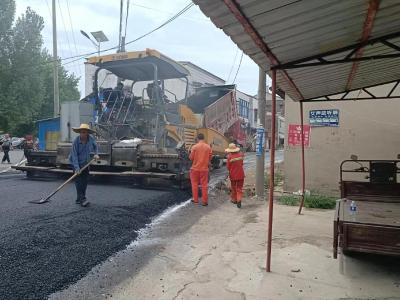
368	129
247	109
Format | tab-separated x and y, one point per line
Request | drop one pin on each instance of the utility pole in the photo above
120	26
55	63
260	160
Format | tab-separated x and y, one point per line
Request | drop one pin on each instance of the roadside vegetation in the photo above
26	72
313	200
310	201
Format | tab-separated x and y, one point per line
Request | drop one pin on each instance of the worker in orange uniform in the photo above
234	163
200	156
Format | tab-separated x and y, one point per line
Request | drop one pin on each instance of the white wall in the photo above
367	128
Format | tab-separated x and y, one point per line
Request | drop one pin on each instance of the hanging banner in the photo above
294	135
324	117
260	141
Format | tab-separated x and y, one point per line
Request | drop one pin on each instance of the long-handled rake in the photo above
47	199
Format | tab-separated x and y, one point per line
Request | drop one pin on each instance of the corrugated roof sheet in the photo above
294	29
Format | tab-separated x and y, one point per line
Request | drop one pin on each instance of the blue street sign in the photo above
260	138
324	117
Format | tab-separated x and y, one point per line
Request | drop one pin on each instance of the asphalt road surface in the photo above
45	248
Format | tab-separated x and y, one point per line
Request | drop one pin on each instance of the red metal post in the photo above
303	170
367	30
271	172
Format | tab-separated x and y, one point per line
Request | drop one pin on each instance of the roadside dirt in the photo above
223	256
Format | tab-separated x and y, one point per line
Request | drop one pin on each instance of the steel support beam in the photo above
394	87
351	99
300	63
234	7
343	61
303	172
338	97
369	93
271	172
391	45
367	29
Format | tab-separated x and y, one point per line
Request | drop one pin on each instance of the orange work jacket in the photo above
234	163
200	156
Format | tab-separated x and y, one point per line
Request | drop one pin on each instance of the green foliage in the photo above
311	201
278	179
289	200
26	74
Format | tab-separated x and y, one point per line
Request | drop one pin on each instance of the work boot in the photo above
204	204
234	201
78	201
85	202
239	204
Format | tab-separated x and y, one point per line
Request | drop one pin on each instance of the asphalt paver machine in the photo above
143	129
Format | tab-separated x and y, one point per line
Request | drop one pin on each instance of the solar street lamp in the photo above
99	36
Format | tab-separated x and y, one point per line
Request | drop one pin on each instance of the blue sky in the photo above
191	37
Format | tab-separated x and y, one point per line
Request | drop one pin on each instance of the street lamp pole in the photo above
97	45
99	36
56	95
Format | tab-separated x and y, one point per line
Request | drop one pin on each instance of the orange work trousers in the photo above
196	178
237	190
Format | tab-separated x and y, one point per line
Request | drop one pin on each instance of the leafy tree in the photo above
26	73
67	84
7	13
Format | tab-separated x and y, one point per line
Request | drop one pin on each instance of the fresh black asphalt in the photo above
44	248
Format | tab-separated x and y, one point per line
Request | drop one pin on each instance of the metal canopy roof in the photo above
140	65
319	47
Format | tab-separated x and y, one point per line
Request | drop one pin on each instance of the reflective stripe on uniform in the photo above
236	159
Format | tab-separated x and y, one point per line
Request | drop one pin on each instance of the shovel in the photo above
47	199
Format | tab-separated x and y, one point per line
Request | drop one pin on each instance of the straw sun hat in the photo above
83	127
232	148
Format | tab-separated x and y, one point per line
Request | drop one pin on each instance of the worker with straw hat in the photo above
234	163
82	147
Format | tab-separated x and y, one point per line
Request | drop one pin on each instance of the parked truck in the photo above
143	131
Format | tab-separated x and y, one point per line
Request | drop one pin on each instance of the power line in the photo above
48	7
169	13
51	16
163	24
73	33
126	19
182	11
66	32
82	56
233	64
237	71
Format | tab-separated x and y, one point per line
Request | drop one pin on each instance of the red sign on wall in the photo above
294	136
